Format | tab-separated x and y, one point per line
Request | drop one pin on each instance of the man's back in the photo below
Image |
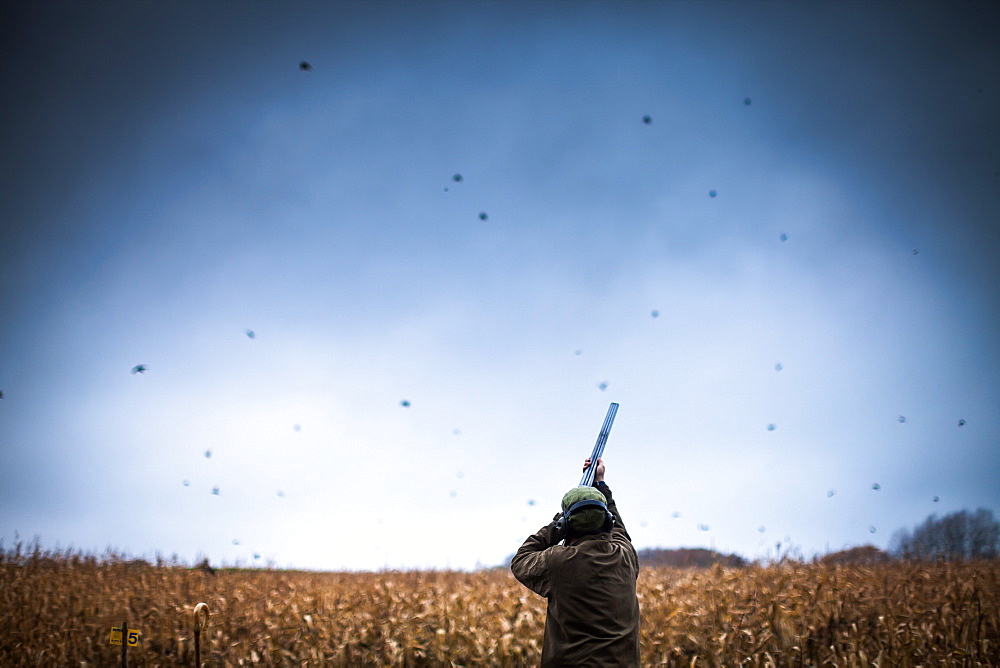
593	612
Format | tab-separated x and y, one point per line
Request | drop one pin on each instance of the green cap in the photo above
588	519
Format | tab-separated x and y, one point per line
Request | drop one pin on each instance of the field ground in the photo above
58	610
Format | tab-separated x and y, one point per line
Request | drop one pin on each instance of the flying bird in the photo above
304	66
483	216
655	314
215	491
647	120
771	427
250	334
961	423
783	237
208	454
404	403
936	499
747	101
603	386
902	419
139	368
876	486
457	178
712	193
778	367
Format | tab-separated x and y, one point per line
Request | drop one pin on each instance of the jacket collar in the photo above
576	540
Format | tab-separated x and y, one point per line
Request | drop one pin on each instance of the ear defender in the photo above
609	518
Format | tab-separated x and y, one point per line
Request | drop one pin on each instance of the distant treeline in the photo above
958	536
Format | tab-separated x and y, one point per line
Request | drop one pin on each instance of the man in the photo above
593	612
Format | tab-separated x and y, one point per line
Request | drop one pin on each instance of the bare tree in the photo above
984	535
958	535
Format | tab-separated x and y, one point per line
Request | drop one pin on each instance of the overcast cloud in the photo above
816	188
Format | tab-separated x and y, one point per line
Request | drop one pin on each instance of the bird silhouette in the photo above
647	120
304	66
139	368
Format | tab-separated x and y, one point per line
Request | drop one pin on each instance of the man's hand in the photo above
598	472
554	533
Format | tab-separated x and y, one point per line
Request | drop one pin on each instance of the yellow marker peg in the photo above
116	636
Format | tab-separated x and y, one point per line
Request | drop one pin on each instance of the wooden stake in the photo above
125	644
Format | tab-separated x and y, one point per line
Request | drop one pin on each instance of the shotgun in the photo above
588	475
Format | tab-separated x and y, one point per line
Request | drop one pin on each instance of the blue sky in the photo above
172	179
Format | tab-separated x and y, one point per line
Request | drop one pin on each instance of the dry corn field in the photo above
57	610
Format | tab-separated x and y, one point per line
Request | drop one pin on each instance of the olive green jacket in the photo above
593	612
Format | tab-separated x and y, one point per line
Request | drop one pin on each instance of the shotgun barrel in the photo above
588	475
